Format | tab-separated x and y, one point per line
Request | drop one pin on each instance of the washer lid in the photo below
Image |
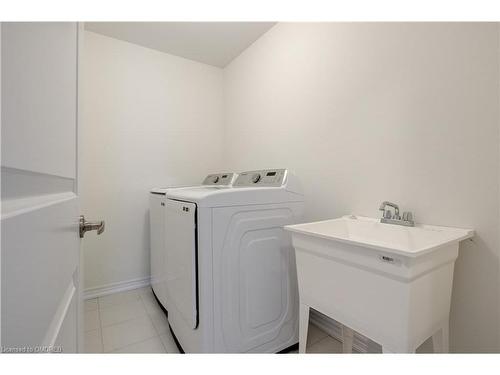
163	190
219	196
214	179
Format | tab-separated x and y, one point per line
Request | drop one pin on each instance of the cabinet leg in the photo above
440	340
303	327
347	339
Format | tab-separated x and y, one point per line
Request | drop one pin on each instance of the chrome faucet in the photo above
387	213
388	218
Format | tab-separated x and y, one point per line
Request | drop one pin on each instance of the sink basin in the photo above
387	282
395	239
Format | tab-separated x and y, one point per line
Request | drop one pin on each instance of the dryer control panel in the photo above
264	178
219	179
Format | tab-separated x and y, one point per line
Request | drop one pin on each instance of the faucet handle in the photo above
383	211
387	214
407	216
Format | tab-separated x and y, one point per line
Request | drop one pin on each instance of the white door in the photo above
41	304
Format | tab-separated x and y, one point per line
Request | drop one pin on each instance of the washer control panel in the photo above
264	178
219	179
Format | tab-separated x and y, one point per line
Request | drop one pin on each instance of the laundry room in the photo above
250	187
358	113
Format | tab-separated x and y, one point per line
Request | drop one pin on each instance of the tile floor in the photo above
127	322
132	322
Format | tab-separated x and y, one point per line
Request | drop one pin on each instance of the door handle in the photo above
85	226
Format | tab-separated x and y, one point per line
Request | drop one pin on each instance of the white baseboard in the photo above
333	328
121	286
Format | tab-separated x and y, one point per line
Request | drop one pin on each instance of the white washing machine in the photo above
231	274
157	230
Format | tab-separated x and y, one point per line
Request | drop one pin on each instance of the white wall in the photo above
149	119
371	112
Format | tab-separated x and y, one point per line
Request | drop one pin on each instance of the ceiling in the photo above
213	43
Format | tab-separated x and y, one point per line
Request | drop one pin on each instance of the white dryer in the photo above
157	230
231	274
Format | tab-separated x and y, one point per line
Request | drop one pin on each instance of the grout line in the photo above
138	342
128	301
150	318
122	303
127	320
147	338
312	345
158	335
140	297
323	339
116	303
156	329
324	335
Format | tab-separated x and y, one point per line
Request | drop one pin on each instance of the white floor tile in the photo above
130	332
91	304
160	322
133	322
314	335
146	290
148	297
169	343
326	345
152	345
93	341
152	306
91	320
122	312
119	298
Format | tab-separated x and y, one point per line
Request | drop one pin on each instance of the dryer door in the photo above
255	282
181	259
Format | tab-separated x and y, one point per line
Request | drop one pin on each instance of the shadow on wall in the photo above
477	258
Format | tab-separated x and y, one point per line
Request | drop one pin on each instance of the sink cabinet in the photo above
397	296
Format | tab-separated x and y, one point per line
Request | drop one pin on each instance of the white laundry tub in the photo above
390	283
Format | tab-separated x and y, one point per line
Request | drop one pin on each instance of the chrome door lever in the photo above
85	226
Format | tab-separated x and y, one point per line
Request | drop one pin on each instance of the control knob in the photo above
256	178
215	179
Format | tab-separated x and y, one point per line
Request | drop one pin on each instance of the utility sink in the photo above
371	233
387	282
